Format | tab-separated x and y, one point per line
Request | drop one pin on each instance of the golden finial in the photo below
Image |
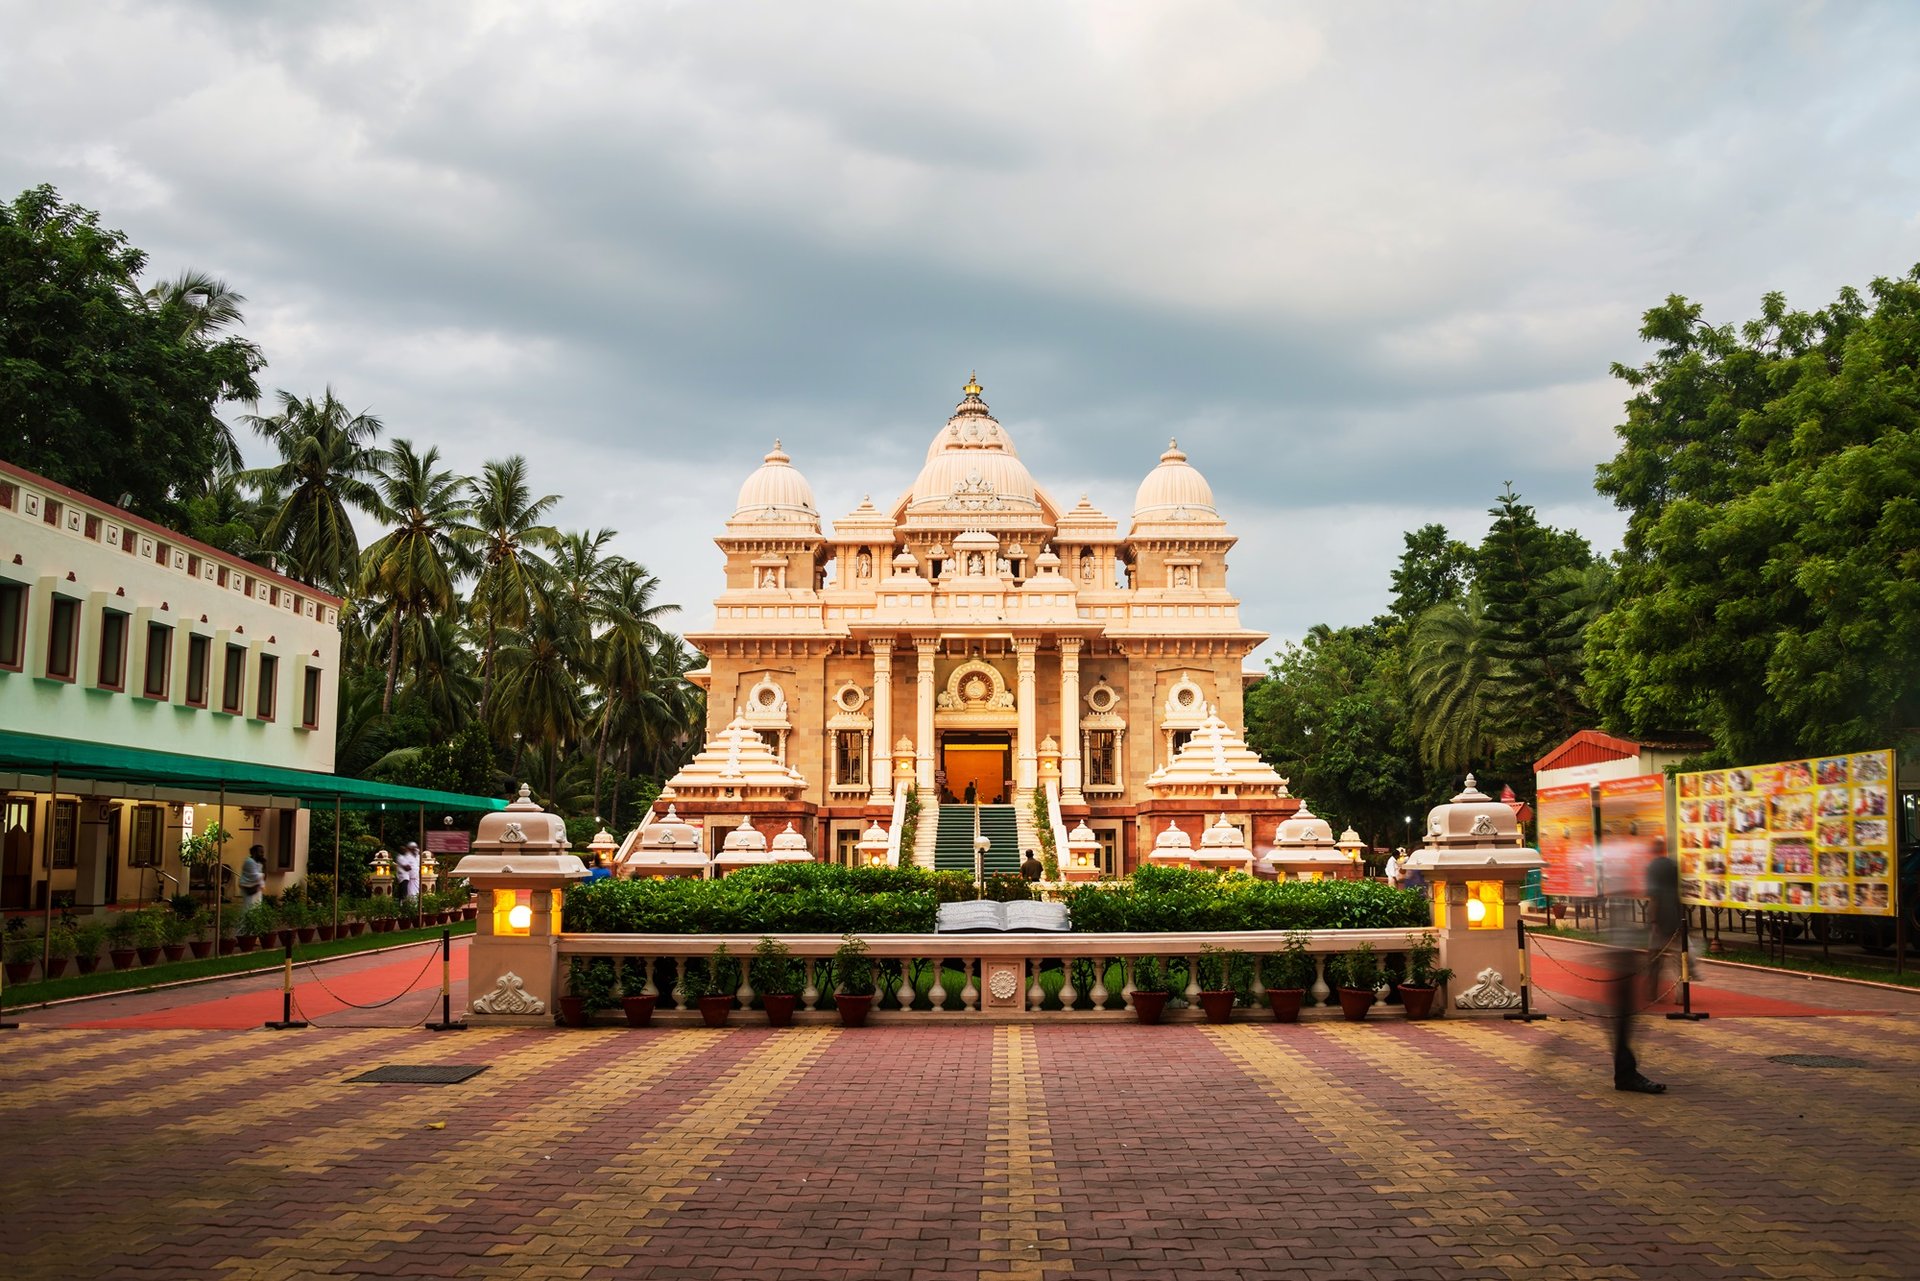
973	387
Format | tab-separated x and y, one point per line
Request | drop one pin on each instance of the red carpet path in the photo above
414	971
1561	968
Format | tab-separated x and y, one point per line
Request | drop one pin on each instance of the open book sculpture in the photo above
982	917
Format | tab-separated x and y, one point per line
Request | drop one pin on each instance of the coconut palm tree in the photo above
326	458
1454	686
626	658
410	570
201	307
504	529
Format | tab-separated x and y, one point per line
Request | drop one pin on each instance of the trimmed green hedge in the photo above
817	898
1173	899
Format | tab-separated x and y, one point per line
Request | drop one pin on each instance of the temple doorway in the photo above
982	759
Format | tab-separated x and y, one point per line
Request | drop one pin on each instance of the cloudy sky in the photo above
1367	262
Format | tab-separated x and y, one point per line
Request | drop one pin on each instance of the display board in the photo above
1813	835
1565	816
1633	825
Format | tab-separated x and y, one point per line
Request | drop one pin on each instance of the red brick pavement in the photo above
1326	1150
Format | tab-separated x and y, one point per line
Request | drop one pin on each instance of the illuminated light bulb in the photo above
1476	911
520	917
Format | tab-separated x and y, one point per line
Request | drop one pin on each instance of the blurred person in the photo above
1636	969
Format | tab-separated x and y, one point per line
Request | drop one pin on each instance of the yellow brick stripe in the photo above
1024	1225
1685	1204
610	1215
368	1225
26	1050
128	1069
1427	1185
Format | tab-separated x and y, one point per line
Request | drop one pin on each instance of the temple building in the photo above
1022	668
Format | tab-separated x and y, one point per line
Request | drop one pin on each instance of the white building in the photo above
120	636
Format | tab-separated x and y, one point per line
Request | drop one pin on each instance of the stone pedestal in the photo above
1474	866
519	868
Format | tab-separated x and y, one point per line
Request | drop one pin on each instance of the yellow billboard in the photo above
1814	835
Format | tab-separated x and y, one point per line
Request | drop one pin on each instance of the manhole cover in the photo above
420	1074
1817	1060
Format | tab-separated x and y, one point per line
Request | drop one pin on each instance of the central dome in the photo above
971	465
776	492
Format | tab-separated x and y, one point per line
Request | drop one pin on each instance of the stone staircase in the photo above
1023	816
928	833
953	839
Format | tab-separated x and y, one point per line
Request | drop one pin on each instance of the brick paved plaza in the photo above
1447	1149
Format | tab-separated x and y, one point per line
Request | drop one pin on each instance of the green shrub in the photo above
1149	975
591	978
773	969
1356	968
1422	952
1220	970
721	974
1291	969
852	972
1175	899
1006	887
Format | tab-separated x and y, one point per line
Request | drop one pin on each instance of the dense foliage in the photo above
807	898
1770	584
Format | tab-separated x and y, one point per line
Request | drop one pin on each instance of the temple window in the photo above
849	758
1102	758
1177	741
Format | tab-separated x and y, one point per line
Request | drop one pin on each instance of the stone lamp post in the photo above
1082	861
520	865
873	846
380	875
1304	849
1474	864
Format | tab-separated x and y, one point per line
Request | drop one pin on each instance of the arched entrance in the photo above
982	758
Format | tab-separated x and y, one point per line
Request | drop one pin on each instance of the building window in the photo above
159	664
197	652
113	650
66	827
233	680
269	678
1102	758
50	511
145	848
310	700
849	762
283	826
1178	741
63	638
13	625
846	847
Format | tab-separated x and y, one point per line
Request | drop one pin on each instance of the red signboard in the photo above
1633	821
1566	841
448	842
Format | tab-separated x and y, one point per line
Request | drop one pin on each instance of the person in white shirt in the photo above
1393	869
253	875
407	870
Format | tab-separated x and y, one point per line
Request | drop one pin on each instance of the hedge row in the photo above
812	898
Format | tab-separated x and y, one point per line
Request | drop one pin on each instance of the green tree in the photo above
1454	682
327	457
410	570
1536	599
1436	568
1769	592
101	387
505	529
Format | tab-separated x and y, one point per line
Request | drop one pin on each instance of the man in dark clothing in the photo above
1030	868
1631	967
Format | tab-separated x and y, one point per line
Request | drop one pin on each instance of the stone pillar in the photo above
518	868
1028	746
927	647
1070	721
882	647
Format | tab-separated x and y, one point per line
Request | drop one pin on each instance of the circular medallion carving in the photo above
1003	984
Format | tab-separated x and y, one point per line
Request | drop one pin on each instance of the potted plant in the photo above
61	945
716	991
634	1001
775	976
589	990
120	935
251	925
853	977
175	926
1424	978
88	939
1358	978
22	950
149	933
1217	993
1150	989
1288	975
200	934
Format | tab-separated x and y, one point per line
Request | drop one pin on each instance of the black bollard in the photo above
1525	1013
1686	980
446	1023
286	997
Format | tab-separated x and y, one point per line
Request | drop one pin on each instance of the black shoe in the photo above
1640	1085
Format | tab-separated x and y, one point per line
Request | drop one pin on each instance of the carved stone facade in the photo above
969	618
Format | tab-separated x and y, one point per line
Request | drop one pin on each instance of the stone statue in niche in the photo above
976	565
1181	576
768	578
1001	564
1086	567
1002	699
863	564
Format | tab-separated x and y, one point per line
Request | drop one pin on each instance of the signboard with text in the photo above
1633	823
1565	817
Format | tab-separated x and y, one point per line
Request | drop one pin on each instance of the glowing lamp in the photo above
520	916
1485	905
1476	911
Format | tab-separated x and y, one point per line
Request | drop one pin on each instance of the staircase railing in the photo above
899	820
1056	822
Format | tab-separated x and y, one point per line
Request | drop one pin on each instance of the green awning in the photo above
40	755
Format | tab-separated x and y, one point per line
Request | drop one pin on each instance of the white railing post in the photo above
1099	992
899	820
809	995
1320	991
937	993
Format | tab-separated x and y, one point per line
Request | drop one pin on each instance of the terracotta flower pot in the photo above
715	1009
287	936
56	967
148	955
853	1009
1218	1005
174	951
201	948
573	1011
1355	1002
308	933
87	964
19	971
1149	1006
245	942
122	957
639	1009
1417	1000
325	932
779	1009
1286	1003
354	929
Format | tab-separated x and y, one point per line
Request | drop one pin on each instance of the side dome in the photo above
776	493
1174	493
971	465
